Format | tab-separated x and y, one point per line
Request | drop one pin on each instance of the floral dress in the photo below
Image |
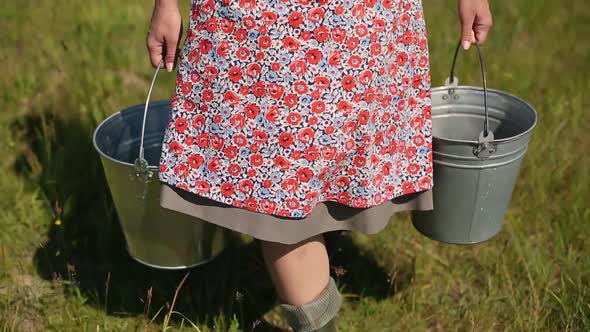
280	105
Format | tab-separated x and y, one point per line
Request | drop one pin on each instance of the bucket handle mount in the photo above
485	146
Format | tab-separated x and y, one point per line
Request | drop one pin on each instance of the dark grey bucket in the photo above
474	171
155	236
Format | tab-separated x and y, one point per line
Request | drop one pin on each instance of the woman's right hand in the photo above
476	21
165	33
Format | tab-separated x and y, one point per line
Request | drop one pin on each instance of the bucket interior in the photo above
461	116
119	136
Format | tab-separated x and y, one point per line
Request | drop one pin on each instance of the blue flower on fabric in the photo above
215	129
325	139
370	191
273	33
378	81
310	26
260	120
281	8
339	121
297	214
314	183
333	71
305	100
265	152
271	128
213	177
284	58
323	64
263	192
229	131
225	112
224	12
276	176
253	34
244	152
357	191
418	25
396	180
335	20
170	162
271	76
204	171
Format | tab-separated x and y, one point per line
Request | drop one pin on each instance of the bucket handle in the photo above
142	170
484	147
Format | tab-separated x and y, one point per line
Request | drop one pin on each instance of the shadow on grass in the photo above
85	244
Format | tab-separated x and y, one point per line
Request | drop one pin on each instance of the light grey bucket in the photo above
474	170
155	236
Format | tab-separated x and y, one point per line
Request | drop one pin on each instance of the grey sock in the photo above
315	314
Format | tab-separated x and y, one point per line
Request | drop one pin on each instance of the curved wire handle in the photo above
142	170
146	108
485	85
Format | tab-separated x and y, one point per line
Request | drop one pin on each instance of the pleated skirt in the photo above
325	217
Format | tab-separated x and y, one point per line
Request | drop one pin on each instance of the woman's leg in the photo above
299	271
301	275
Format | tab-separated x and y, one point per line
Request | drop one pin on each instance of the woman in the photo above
292	118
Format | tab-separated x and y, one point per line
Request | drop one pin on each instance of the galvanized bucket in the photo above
475	170
130	152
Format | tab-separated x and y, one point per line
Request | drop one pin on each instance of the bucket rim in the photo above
498	92
116	114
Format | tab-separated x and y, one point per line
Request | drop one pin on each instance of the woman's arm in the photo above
165	33
476	21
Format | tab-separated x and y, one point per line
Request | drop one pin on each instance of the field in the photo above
67	65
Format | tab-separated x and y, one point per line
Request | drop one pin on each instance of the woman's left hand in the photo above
476	21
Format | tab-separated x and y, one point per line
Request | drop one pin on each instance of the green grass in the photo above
67	65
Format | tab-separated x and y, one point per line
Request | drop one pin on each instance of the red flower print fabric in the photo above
282	104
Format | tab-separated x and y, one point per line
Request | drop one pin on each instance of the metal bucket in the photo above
474	171
155	236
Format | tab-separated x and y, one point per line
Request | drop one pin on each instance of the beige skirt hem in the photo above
325	217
